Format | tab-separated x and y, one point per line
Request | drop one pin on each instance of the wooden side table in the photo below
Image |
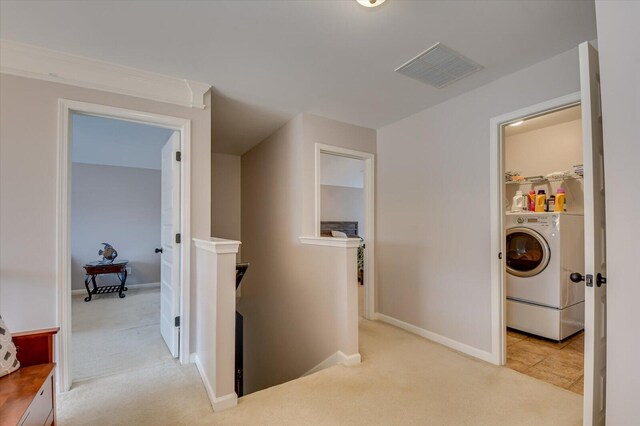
93	269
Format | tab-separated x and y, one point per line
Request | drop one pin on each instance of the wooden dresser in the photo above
27	396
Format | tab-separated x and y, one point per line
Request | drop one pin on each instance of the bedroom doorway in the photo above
132	192
344	209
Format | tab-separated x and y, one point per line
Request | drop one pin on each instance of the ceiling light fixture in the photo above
370	3
517	123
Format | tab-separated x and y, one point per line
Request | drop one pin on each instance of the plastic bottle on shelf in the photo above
516	205
541	199
532	200
560	201
551	203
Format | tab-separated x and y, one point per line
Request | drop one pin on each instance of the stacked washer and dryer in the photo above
542	250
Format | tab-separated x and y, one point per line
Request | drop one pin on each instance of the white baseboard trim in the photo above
337	358
145	285
453	344
217	403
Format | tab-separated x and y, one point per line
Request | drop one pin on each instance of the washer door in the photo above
527	252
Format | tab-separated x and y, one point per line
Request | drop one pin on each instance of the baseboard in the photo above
217	403
145	285
337	358
453	344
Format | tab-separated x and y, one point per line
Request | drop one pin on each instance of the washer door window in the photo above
527	252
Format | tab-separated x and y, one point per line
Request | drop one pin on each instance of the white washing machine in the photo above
542	250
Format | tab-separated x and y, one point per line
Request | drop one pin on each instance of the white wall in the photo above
28	161
342	203
432	212
120	206
618	35
543	151
225	196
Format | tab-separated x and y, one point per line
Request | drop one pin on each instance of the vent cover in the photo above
439	66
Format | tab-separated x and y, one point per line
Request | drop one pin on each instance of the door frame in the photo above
66	108
496	198
369	219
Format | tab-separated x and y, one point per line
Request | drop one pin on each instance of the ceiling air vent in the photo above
439	66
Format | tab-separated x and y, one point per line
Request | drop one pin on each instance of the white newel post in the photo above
215	319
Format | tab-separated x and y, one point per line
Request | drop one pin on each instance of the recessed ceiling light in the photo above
370	3
517	123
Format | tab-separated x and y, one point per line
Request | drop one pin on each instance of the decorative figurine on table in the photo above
108	253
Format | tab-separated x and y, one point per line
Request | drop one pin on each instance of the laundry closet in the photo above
544	244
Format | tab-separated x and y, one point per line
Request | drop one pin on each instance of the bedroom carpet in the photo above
111	335
403	379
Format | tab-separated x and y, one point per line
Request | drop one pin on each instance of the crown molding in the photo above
44	64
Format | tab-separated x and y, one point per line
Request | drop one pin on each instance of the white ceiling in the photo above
110	142
269	60
341	171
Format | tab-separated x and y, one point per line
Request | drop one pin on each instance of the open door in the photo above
170	228
595	336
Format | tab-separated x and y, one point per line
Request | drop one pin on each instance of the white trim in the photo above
30	61
217	245
496	165
331	241
369	215
217	403
63	252
82	291
445	341
337	358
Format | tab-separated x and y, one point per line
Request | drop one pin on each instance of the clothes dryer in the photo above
542	250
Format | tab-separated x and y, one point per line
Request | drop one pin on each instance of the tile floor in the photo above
558	363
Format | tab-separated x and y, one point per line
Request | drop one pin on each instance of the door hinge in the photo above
178	238
177	322
178	156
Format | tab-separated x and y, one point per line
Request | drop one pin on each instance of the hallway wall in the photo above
28	162
291	294
432	205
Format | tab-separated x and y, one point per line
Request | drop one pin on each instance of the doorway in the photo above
344	208
544	242
107	291
594	273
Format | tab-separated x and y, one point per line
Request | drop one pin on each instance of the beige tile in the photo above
548	343
513	339
534	347
544	374
515	333
516	365
578	386
563	366
516	353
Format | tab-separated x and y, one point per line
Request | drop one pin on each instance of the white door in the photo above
170	227
595	337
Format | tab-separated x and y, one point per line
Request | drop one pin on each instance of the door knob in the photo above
576	277
600	279
158	250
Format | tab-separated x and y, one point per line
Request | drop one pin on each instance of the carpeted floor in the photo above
403	379
112	335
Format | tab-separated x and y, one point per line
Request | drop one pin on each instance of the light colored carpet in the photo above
403	379
111	335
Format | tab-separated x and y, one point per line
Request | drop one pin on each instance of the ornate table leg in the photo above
122	276
86	284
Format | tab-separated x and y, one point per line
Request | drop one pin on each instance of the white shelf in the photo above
543	180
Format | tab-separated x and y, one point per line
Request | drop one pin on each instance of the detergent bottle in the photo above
516	205
560	201
532	200
541	199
